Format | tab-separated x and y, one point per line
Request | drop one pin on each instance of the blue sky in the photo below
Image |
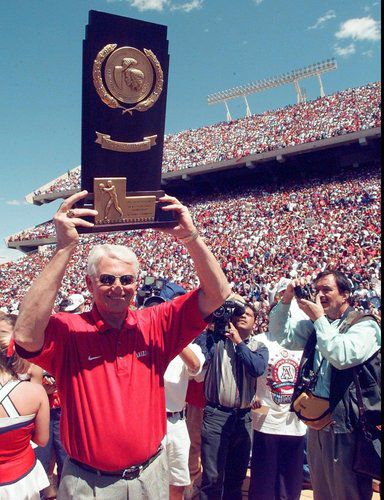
214	45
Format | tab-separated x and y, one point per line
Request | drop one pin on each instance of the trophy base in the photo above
137	219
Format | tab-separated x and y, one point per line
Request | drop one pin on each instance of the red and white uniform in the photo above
20	475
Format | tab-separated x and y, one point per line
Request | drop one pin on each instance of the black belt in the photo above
128	473
179	414
228	409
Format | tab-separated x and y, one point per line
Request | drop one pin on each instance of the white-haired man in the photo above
109	362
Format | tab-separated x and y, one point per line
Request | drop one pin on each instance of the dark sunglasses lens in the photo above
107	279
127	279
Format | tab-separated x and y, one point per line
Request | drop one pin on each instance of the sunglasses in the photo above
109	279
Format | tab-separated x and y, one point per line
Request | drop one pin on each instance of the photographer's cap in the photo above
280	287
171	290
282	284
71	303
236	296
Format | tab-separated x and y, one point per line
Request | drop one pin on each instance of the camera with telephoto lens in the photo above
223	315
303	292
149	293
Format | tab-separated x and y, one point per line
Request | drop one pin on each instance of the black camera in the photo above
223	315
307	382
149	293
303	292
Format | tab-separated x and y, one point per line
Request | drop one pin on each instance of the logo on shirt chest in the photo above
281	377
91	358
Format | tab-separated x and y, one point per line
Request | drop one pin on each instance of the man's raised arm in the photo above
37	305
214	287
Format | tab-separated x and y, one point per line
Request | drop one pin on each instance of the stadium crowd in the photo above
341	113
259	235
65	182
34	233
338	114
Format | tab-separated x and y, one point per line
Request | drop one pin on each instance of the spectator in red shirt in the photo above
109	362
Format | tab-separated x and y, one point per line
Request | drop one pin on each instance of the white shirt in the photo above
274	391
176	379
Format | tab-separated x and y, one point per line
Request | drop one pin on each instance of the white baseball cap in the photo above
282	285
71	303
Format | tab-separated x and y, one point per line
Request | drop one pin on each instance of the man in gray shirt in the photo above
234	360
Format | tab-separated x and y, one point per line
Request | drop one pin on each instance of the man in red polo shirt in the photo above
109	362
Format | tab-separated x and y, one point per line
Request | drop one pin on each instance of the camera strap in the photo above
313	377
314	411
306	372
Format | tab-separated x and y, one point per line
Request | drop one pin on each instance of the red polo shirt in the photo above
110	381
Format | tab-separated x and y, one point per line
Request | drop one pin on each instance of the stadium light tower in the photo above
229	117
267	83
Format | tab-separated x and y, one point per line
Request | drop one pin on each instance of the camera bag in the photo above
314	411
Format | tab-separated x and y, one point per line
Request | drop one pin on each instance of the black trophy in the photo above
125	74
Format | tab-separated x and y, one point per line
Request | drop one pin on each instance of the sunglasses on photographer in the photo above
109	279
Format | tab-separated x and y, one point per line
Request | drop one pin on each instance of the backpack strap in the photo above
371	433
367	373
355	317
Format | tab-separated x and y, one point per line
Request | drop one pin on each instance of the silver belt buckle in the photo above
131	473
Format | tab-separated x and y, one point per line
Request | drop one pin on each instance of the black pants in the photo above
276	467
225	450
54	446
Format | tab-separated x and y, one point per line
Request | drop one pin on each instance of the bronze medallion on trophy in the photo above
129	75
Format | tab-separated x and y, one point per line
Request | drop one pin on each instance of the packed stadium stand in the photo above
286	193
216	146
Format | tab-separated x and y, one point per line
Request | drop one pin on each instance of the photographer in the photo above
155	291
234	359
337	342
